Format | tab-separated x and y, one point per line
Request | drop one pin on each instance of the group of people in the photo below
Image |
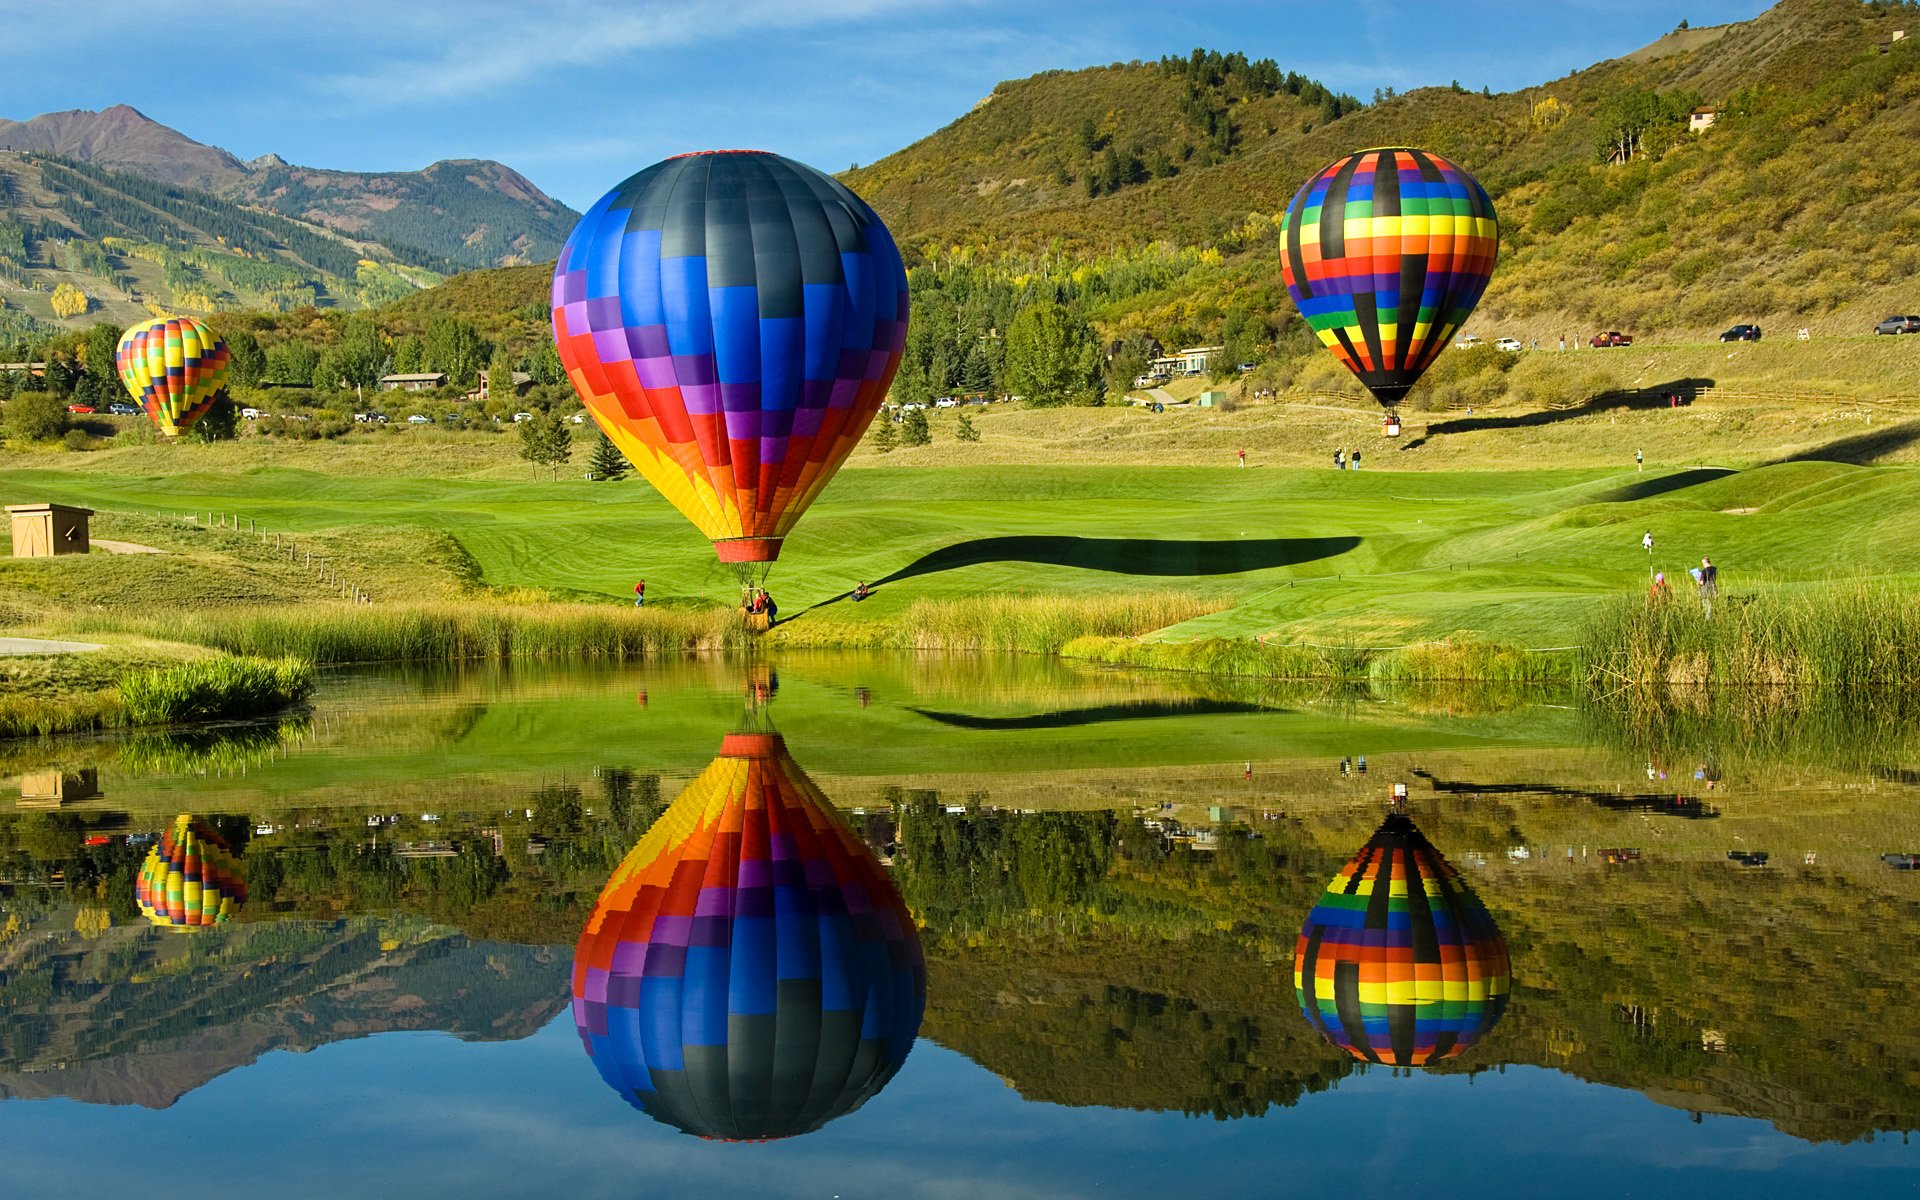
758	602
1342	461
1706	579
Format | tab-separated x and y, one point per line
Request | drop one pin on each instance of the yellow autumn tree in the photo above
69	301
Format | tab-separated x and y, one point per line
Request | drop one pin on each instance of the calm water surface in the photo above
865	926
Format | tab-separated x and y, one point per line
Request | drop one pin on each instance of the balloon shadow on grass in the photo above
1661	395
1861	449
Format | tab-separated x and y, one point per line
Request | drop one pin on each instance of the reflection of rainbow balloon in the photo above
732	320
1400	963
191	878
1385	253
749	971
174	367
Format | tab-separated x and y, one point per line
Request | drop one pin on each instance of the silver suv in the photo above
1898	325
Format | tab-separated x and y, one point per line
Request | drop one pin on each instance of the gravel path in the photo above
14	645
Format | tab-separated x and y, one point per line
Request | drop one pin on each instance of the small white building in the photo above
1701	119
1191	361
418	382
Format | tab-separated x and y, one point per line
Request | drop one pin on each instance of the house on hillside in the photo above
1701	119
419	381
521	382
37	370
1191	361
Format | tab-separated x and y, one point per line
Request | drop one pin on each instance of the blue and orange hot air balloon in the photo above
1400	963
749	972
732	320
190	879
175	368
1385	253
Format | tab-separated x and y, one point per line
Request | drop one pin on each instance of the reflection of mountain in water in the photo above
749	972
139	1016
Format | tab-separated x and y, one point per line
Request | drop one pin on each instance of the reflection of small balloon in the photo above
749	972
190	879
732	320
1399	963
1386	252
174	367
642	697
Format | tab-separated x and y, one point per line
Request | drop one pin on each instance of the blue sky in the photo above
577	94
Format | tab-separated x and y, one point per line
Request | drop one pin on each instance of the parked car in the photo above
1612	337
579	418
1742	333
519	417
252	414
120	408
946	402
1467	342
419	419
79	408
1898	325
1510	345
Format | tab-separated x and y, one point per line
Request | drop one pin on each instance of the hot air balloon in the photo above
1399	963
1385	253
732	320
191	878
174	367
749	971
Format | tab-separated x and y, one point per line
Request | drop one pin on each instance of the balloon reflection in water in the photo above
191	878
749	972
1399	963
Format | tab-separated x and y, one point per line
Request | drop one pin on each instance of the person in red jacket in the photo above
640	594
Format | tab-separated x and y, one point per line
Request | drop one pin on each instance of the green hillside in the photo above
1792	210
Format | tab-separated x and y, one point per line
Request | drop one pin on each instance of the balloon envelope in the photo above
190	878
749	972
732	320
174	367
1385	253
1399	963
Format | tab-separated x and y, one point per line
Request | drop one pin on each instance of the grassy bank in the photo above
1852	636
70	699
999	624
1466	660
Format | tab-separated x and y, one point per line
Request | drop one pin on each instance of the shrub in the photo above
36	417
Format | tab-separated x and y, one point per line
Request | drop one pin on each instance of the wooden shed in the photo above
44	530
51	789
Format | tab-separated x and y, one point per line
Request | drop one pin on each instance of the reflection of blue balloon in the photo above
749	972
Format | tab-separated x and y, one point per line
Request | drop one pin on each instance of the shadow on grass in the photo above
1861	449
1658	396
1658	804
1136	710
1661	485
1130	556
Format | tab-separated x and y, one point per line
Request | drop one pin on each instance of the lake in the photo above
858	925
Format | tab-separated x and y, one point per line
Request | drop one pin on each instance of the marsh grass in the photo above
1840	637
210	689
1458	660
1003	624
73	712
454	630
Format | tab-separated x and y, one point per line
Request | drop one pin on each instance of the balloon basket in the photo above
1390	426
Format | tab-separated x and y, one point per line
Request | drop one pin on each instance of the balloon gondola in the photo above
1385	253
175	368
749	972
732	320
1400	963
190	879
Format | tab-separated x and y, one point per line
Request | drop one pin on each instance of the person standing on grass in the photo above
1243	458
1639	461
1353	460
1339	460
1660	591
640	594
1709	583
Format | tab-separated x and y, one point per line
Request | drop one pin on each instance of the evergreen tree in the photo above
221	423
914	431
884	436
965	430
546	441
606	461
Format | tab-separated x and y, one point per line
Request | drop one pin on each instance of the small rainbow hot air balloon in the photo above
749	972
732	320
174	367
190	879
1400	963
1385	253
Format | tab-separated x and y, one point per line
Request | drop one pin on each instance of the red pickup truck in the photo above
1612	337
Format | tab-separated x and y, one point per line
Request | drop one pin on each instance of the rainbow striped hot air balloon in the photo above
749	972
190	879
1400	963
174	367
732	321
1385	253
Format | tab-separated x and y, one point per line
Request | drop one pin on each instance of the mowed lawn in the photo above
1376	557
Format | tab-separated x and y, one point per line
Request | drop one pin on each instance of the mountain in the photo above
1793	207
133	214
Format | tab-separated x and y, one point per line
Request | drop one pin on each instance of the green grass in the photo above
210	689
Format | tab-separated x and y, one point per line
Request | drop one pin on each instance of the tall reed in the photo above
1846	636
211	688
1006	624
1227	656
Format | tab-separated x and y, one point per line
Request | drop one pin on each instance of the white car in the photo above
1510	345
519	417
1466	343
579	418
417	419
252	414
946	402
